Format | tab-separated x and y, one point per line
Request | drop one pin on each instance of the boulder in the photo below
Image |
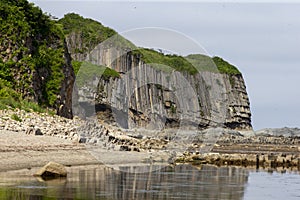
38	132
52	170
82	139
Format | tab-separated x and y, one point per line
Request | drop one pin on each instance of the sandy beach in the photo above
21	151
18	151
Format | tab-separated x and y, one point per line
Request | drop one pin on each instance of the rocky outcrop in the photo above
279	132
145	96
283	160
65	78
75	43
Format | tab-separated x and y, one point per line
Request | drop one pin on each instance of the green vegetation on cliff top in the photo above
165	62
90	33
225	67
192	64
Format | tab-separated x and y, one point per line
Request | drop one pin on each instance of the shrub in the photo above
225	67
166	63
16	117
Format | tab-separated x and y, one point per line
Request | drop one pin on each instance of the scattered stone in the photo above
39	124
38	132
82	139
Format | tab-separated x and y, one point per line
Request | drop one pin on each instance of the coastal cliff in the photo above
134	87
149	90
159	98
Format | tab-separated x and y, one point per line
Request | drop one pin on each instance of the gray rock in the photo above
82	139
286	132
38	132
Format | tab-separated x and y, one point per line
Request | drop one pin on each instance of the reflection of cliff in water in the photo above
181	182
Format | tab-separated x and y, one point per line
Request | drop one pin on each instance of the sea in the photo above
161	182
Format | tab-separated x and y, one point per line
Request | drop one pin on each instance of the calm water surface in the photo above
180	182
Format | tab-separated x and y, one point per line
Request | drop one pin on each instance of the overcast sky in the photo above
262	39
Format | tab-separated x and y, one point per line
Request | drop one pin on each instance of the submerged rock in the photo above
52	170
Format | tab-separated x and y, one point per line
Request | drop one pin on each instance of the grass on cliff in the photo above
202	62
225	67
92	33
215	64
89	33
86	71
165	62
10	99
192	64
90	29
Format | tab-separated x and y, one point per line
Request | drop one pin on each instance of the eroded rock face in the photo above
154	99
65	101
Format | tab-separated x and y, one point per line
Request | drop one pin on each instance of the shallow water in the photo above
180	182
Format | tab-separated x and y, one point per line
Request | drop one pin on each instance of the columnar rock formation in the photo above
146	96
157	91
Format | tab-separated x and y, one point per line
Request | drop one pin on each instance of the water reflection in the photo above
180	182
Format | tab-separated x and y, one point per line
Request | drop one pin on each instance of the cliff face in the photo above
66	89
144	96
154	96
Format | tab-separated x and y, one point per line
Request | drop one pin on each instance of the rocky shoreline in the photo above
252	160
52	137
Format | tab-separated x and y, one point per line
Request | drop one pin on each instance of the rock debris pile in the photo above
39	123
